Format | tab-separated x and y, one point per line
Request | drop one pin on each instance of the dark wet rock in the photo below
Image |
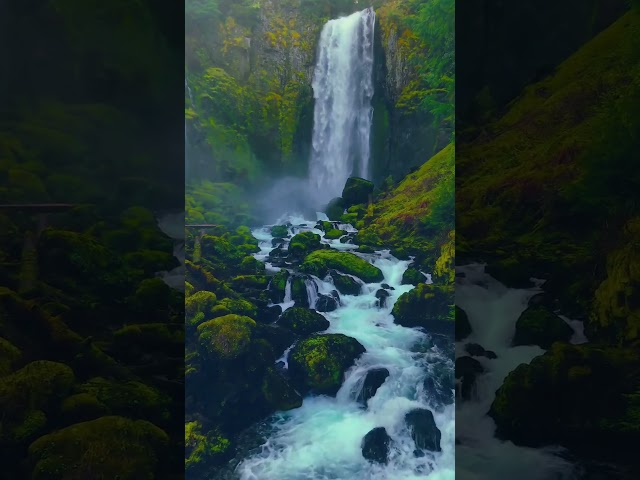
467	369
381	296
387	286
299	292
375	445
539	326
278	285
372	381
269	314
345	284
277	242
356	191
303	321
328	303
476	350
423	429
463	327
335	208
439	384
278	337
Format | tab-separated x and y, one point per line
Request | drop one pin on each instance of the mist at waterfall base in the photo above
493	311
322	439
342	89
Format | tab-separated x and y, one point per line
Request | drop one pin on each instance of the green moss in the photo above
427	306
203	449
335	209
345	284
333	234
152	293
319	262
539	326
82	407
303	321
249	282
9	356
251	266
412	276
112	447
202	301
356	191
278	285
319	362
238	306
226	337
278	393
279	231
304	243
130	399
25	394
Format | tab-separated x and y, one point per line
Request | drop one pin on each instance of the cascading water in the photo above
343	89
322	439
493	311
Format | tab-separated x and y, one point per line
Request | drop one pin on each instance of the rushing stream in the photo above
322	439
493	310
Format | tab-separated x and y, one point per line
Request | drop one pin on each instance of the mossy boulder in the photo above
320	262
151	261
107	447
303	244
204	449
278	393
131	399
280	231
427	306
412	276
463	327
596	394
152	294
335	209
539	326
9	356
82	407
278	285
134	340
239	306
251	266
39	386
200	302
299	292
345	284
356	191
319	363
303	321
245	283
333	234
227	337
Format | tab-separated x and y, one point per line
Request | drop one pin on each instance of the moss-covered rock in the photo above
167	339
319	363
356	191
238	306
463	327
303	321
335	209
204	449
200	302
152	294
38	386
108	447
303	244
277	392
539	326
280	231
319	262
244	283
345	284
251	266
412	276
82	407
278	285
227	337
131	399
299	292
9	356
595	395
427	306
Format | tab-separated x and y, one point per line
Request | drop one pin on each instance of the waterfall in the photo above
342	89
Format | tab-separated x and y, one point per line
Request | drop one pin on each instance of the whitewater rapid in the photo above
321	440
342	118
493	311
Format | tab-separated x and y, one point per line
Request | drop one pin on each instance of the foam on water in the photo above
493	310
322	439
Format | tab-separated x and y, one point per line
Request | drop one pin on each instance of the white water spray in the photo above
321	440
343	89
